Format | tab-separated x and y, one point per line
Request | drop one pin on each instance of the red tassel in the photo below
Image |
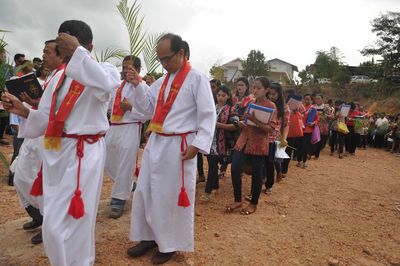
183	199
76	208
37	187
137	170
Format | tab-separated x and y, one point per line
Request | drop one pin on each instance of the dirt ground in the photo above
336	212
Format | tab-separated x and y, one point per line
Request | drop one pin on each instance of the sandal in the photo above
246	210
205	197
233	206
248	197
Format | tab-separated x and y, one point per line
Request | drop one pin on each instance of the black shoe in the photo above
161	258
141	248
32	225
115	213
11	180
37	218
37	239
200	179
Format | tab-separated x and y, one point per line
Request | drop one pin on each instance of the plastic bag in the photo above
342	128
280	153
316	135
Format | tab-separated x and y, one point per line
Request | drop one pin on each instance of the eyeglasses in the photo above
166	59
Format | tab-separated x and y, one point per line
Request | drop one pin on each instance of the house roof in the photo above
294	67
235	63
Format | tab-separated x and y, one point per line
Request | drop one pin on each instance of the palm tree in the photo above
133	23
149	52
109	53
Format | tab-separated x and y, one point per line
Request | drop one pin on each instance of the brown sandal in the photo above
246	210
232	207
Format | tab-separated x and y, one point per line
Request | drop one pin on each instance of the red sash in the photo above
162	108
118	112
54	131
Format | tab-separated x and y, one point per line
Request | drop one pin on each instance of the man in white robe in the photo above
123	140
31	153
157	220
67	240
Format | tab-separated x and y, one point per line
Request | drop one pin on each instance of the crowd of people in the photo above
92	118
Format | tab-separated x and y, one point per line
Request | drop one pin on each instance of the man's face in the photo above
125	65
170	60
20	60
50	58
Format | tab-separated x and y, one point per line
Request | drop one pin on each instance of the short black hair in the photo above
176	41
136	60
186	49
53	41
18	56
79	29
37	60
216	81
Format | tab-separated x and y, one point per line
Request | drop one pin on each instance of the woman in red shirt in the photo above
242	97
253	144
350	139
308	128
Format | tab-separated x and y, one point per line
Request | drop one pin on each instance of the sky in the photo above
217	31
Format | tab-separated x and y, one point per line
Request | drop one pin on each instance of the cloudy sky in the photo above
217	30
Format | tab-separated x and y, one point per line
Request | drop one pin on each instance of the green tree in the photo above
133	23
5	68
217	72
341	76
305	75
149	52
108	54
387	28
255	65
370	69
328	63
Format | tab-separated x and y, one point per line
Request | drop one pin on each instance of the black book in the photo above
28	84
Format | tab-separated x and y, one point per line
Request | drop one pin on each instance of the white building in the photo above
280	71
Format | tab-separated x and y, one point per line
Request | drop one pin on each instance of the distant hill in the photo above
373	96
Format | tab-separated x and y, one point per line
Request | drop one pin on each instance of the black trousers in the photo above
320	145
295	143
212	176
17	143
270	168
350	140
200	164
223	166
305	148
238	160
379	140
337	137
363	142
4	121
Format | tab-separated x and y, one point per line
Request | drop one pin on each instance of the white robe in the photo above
122	144
70	241
155	211
29	162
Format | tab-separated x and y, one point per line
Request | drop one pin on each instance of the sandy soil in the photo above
336	212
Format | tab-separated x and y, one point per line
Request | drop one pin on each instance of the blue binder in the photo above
311	115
